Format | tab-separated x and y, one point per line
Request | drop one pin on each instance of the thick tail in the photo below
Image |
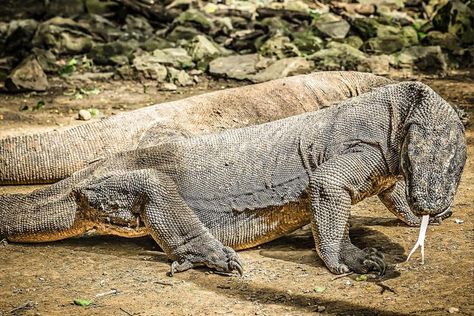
51	156
48	157
45	214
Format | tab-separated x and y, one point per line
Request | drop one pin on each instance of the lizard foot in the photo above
363	261
211	254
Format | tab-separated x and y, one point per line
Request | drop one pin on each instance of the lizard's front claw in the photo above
206	251
363	261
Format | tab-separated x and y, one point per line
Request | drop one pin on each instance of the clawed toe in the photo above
224	260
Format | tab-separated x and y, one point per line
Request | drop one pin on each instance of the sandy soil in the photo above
284	277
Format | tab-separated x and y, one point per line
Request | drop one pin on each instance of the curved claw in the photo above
375	263
179	267
236	265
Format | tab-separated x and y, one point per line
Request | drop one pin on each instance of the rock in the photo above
102	53
84	115
283	68
378	65
354	41
306	42
167	86
155	42
338	56
194	18
180	77
366	27
180	33
279	47
62	35
391	39
392	4
203	50
18	36
119	60
46	59
65	8
353	9
101	7
235	66
444	40
332	25
453	310
27	76
456	18
139	25
426	58
245	40
175	57
103	28
150	67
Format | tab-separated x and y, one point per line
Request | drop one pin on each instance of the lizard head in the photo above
432	159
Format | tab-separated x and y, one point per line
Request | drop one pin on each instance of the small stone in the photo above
453	310
167	86
84	115
320	308
458	221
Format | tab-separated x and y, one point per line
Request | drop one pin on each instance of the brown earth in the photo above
282	277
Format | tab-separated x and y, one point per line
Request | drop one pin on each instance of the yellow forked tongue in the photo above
421	238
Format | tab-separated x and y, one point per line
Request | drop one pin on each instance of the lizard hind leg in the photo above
175	226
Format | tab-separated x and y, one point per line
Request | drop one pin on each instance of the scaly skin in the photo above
51	156
243	187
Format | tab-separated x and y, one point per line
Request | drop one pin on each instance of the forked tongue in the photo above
421	238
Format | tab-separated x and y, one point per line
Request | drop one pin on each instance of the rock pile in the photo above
174	41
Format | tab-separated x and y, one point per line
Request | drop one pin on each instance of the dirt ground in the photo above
284	277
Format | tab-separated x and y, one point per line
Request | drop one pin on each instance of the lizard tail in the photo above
51	156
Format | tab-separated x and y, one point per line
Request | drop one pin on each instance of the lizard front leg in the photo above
171	222
333	187
394	198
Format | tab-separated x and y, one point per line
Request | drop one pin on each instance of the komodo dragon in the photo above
202	196
49	157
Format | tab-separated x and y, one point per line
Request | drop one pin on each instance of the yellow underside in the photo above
79	228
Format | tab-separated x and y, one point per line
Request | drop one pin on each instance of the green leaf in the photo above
320	289
361	277
39	105
68	68
82	302
93	111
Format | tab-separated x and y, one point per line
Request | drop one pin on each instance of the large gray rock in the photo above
150	67
28	76
175	57
283	68
235	66
102	53
390	39
62	35
279	47
333	26
338	56
18	36
425	58
203	50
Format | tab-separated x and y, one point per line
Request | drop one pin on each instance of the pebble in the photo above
84	115
168	86
453	310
